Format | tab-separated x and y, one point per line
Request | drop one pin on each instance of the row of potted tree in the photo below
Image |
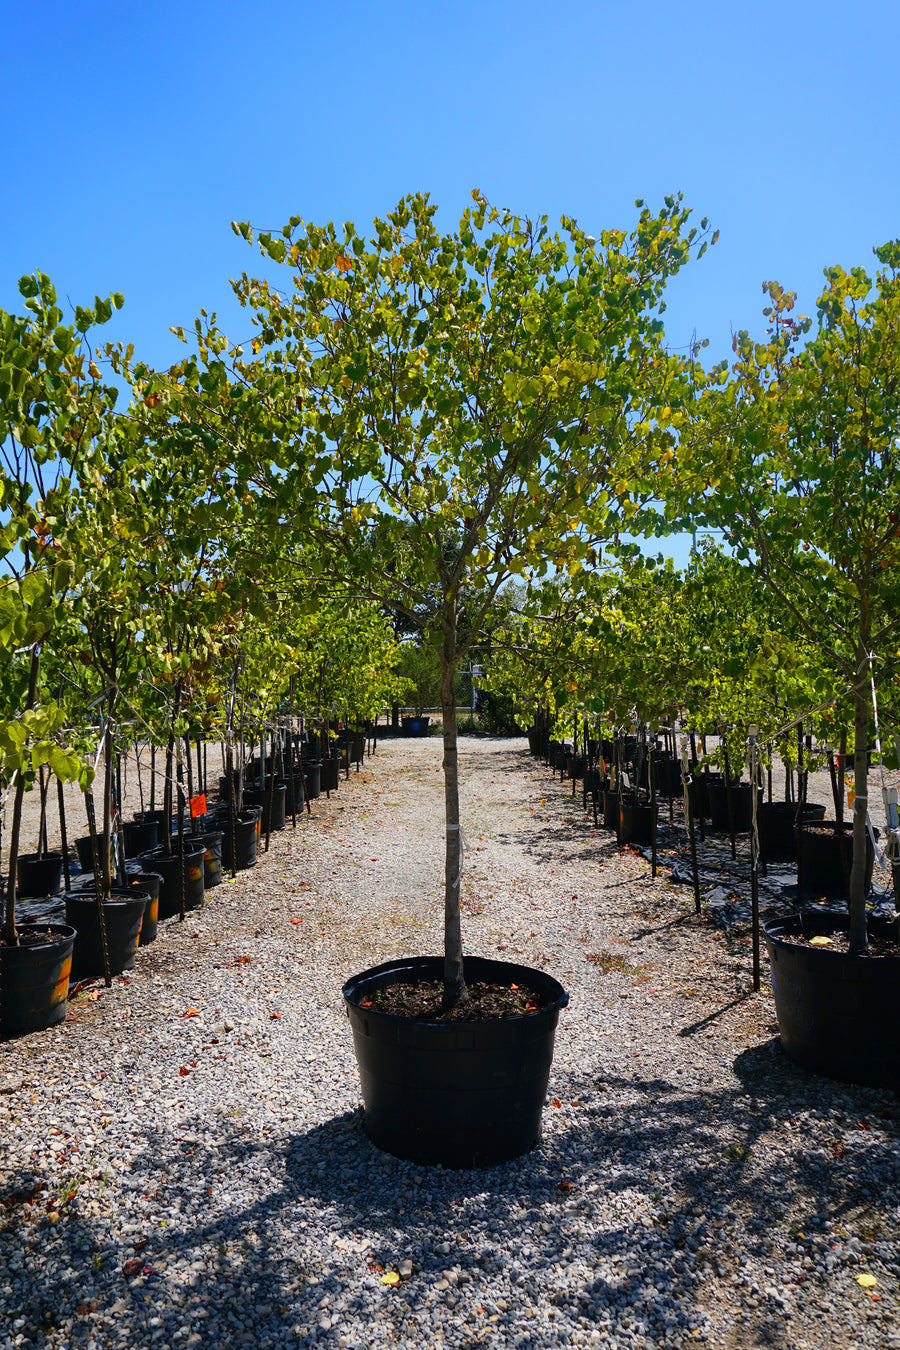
424	418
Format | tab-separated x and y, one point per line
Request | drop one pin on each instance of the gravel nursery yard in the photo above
183	1163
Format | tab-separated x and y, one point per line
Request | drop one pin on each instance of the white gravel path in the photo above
205	1181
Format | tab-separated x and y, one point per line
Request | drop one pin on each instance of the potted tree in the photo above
448	411
55	417
797	452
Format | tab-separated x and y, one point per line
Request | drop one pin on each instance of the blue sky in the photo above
133	135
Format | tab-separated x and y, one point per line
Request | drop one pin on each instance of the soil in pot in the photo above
823	871
39	875
34	978
123	913
838	1014
455	1092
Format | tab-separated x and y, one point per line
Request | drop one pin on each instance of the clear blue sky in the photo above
133	134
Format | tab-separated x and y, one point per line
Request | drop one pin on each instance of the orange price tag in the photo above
198	806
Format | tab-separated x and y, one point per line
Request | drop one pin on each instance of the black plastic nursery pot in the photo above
667	771
246	835
140	884
169	868
312	771
212	857
139	836
740	817
124	915
39	875
462	1094
823	871
149	883
331	773
838	1014
636	822
85	852
776	822
610	809
34	979
260	797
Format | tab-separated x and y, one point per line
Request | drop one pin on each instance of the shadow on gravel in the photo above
641	1194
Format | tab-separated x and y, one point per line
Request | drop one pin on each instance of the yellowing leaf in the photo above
821	942
866	1281
390	1277
343	262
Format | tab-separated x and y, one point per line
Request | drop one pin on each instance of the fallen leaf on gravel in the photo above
390	1277
556	1102
296	920
23	1197
866	1281
274	1015
141	1244
564	1186
133	1267
373	860
191	1012
183	1072
84	1308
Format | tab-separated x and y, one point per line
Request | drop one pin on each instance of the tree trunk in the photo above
10	936
106	837
859	943
454	982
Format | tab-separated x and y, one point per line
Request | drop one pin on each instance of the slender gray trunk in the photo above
859	943
454	981
10	937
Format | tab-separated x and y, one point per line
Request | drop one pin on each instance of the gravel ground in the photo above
204	1179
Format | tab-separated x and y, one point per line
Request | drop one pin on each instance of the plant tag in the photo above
198	806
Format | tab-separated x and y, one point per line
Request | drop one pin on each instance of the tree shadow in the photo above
656	1189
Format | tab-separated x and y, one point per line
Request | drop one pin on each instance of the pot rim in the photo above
61	933
425	964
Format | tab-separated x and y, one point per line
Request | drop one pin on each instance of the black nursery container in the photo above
246	835
139	836
823	871
169	868
741	795
636	822
34	981
260	797
838	1014
39	875
139	883
312	772
124	915
463	1094
776	822
212	841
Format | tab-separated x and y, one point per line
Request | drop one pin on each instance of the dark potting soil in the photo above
423	1001
840	942
32	935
